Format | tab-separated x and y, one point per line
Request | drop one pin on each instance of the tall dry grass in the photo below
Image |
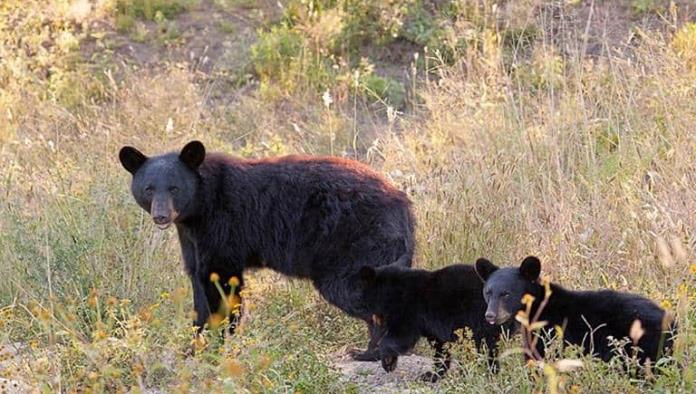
593	170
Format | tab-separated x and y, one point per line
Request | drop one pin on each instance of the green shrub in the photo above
148	9
276	50
388	90
124	23
420	26
276	55
284	63
367	23
642	7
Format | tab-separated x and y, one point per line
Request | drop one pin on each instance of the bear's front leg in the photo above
196	271
492	345
200	303
491	338
442	361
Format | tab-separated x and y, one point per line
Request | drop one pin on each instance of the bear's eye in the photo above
173	189
505	294
148	190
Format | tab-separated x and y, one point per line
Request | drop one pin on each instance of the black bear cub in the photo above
414	303
588	318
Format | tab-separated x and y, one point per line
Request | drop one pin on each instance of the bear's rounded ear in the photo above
131	159
484	268
530	268
193	154
367	275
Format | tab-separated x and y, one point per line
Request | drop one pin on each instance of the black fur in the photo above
588	318
410	303
320	218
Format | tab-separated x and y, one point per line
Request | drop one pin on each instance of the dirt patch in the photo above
206	39
371	378
10	357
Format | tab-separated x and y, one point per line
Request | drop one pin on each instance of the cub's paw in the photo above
389	363
367	355
430	377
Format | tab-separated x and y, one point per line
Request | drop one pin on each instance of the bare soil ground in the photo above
369	377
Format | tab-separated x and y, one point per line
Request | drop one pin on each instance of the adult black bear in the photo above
320	218
588	318
410	303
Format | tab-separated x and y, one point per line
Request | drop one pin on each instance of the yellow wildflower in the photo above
99	335
234	301
215	320
232	367
527	299
138	369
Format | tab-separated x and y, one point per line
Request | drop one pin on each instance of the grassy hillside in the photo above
563	129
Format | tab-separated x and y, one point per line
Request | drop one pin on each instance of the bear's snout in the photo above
491	317
161	220
163	213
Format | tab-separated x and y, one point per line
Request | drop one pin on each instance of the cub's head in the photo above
165	185
504	287
384	290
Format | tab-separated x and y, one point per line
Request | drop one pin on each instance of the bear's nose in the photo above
160	219
490	317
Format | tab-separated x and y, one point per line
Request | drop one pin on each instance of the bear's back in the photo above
321	172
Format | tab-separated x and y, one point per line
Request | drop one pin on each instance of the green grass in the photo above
150	9
508	147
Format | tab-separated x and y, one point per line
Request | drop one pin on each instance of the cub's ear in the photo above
131	159
484	268
530	268
367	275
193	154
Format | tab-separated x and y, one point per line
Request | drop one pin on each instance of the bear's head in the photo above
504	287
165	185
384	291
